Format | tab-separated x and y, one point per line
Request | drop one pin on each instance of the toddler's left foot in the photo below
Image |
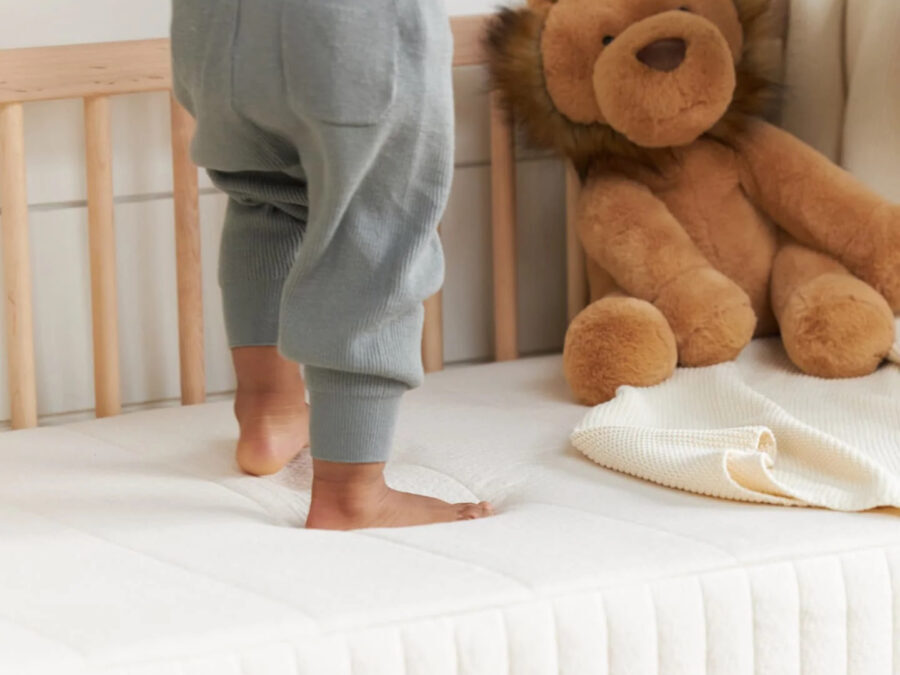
271	409
274	430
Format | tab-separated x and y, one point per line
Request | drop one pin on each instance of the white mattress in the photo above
133	545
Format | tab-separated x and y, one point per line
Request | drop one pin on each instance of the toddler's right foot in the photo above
355	496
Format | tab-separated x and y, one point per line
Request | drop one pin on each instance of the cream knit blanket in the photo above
756	430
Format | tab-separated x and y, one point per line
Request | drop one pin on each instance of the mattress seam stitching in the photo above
180	471
600	592
443	556
168	563
50	638
634	523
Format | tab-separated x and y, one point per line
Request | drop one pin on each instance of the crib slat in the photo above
433	334
503	202
577	287
17	267
188	256
468	39
101	230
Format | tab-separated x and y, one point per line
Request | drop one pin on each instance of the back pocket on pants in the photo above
340	59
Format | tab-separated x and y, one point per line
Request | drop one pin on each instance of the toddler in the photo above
329	124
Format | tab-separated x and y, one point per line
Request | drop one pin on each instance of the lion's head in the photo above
591	78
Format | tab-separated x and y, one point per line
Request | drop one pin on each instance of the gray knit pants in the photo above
329	123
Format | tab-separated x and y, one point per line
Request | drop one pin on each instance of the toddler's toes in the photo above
474	511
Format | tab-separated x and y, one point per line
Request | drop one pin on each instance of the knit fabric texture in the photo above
333	138
768	435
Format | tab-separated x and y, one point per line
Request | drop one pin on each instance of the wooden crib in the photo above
96	72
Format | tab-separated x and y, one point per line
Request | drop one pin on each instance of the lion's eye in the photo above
607	39
684	9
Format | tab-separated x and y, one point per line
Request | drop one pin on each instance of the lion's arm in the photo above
816	201
631	234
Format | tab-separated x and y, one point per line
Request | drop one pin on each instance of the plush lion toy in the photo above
704	225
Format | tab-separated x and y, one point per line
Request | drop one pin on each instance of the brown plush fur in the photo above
703	224
517	72
814	295
633	333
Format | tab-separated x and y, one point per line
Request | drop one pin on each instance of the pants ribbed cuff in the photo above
352	417
252	311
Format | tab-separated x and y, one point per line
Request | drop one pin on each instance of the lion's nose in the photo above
665	55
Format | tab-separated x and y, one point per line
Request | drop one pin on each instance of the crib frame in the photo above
95	73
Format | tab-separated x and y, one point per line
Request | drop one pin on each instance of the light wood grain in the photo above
17	268
503	211
81	71
576	273
94	72
433	334
102	237
468	36
188	259
109	68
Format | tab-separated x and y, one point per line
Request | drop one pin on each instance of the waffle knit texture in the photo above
329	123
773	436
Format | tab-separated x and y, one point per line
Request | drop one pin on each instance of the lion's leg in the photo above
832	324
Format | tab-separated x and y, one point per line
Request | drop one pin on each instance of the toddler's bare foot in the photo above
274	429
271	410
355	496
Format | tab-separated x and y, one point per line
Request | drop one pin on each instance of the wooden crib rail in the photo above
96	72
82	71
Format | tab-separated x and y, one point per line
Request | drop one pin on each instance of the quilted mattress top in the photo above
134	545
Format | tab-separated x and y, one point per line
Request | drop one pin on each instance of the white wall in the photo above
142	181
